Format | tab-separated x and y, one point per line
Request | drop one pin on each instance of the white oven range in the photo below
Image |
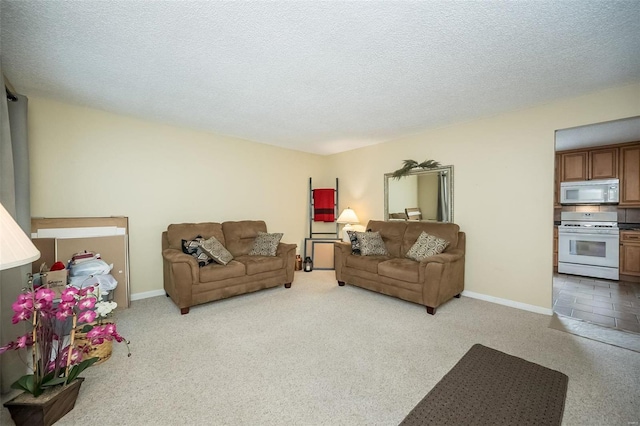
588	244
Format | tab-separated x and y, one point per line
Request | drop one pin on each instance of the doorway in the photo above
609	303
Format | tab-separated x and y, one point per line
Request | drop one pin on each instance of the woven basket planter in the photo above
101	351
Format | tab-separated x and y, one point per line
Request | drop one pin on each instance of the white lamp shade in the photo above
347	216
16	248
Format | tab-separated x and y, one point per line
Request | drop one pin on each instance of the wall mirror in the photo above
425	195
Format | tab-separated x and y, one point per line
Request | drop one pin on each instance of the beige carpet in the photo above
319	354
610	336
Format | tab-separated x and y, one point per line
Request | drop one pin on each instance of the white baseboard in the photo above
507	302
147	294
466	293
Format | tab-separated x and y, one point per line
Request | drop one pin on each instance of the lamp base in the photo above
345	236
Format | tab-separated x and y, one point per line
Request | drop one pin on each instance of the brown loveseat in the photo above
188	284
430	282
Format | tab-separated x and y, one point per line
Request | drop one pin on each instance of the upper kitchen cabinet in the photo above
589	164
603	163
630	175
573	166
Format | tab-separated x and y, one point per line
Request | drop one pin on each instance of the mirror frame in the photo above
446	169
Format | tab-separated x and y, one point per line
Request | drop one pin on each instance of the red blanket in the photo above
324	205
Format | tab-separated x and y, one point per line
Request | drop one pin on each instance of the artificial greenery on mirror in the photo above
409	165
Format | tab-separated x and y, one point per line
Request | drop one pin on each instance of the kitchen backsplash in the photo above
624	215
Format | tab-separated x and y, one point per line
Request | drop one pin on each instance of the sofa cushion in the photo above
355	245
258	264
446	231
266	244
188	231
193	248
239	236
371	244
426	245
216	250
392	233
217	272
400	269
365	263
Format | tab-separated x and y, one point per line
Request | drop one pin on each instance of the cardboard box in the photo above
57	281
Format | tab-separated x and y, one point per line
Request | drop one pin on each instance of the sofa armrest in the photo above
448	257
284	248
181	273
288	253
345	248
173	255
340	252
443	277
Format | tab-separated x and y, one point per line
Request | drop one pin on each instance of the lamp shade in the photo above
16	248
347	216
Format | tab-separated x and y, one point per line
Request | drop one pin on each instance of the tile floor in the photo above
613	304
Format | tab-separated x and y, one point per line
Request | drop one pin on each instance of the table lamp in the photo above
347	217
16	248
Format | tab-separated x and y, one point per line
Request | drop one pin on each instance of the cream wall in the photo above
91	163
503	187
87	162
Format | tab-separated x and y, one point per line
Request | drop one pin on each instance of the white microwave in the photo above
590	192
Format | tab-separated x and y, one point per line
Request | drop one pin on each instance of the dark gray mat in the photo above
489	387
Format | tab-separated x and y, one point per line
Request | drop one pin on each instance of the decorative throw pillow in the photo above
215	250
193	248
427	245
266	244
355	245
371	244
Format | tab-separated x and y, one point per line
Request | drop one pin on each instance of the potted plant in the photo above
87	338
51	389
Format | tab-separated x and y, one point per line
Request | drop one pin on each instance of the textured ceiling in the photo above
321	77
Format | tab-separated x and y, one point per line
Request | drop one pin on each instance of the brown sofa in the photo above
430	282
188	284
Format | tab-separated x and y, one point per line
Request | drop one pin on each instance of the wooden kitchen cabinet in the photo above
630	176
589	164
603	163
556	182
630	253
555	249
573	166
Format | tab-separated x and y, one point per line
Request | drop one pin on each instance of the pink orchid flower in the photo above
87	316
67	305
21	316
87	303
76	357
110	328
97	341
44	299
20	343
24	341
87	290
45	294
9	346
94	332
69	294
24	302
63	314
